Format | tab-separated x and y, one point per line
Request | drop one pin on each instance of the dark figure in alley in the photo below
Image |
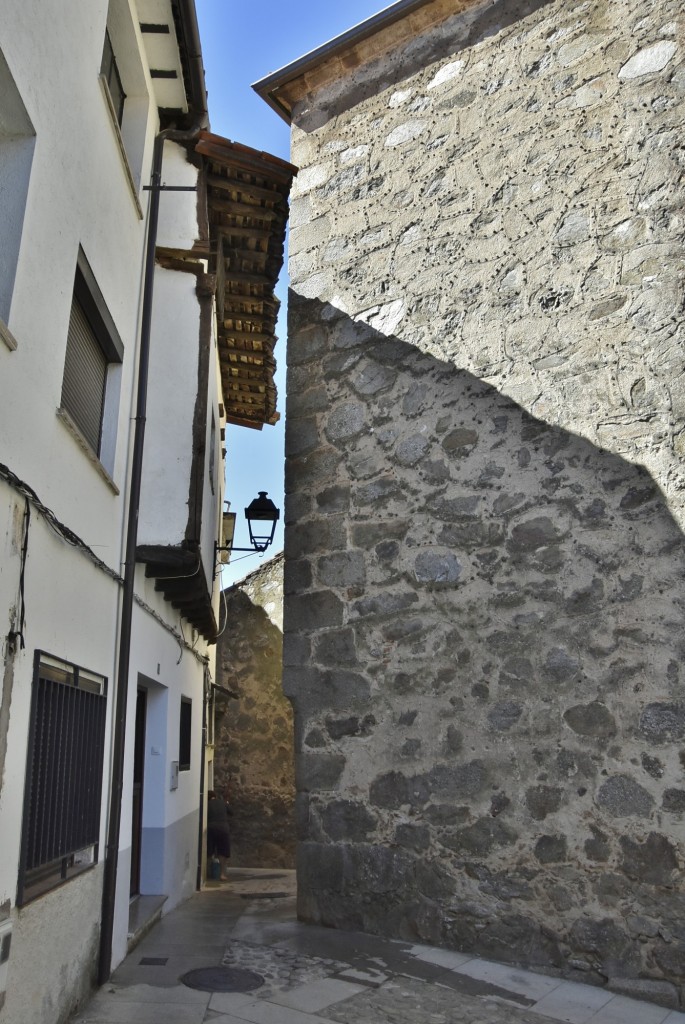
218	832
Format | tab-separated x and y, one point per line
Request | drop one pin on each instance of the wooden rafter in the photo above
247	198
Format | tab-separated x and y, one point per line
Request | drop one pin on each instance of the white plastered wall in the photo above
171	405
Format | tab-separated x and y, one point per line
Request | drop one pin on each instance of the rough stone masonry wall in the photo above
253	758
484	554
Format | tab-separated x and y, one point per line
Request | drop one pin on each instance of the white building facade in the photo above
101	705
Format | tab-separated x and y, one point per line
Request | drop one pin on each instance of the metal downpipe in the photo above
117	767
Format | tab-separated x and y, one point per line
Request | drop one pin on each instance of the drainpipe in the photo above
189	22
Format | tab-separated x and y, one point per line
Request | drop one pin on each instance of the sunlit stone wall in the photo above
485	435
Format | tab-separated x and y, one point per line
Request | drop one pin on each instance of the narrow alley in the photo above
256	963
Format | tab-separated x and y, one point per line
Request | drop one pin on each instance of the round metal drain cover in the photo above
222	979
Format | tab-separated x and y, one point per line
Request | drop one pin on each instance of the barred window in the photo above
63	791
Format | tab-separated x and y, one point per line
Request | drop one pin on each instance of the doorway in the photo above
137	802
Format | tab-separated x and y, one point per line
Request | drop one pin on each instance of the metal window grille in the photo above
85	376
109	69
63	775
185	734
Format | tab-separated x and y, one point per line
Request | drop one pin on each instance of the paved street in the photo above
317	975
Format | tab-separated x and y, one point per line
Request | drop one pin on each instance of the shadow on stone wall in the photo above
483	647
373	75
253	761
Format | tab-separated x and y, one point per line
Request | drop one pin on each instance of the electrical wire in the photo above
68	536
22	574
189	575
223	628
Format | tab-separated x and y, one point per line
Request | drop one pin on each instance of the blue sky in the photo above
243	41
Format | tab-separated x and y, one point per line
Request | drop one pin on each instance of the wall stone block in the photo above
653	861
622	797
591	720
336	647
315	535
346	422
343	569
347	821
663	722
318	771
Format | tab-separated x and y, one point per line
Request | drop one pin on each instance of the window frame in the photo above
17	145
109	69
130	122
90	299
185	734
57	868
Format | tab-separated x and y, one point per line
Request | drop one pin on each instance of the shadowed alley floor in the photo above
312	975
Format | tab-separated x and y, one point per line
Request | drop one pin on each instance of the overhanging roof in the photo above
247	199
180	577
390	27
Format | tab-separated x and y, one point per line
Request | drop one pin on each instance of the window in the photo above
124	85
94	350
63	791
17	141
185	734
110	72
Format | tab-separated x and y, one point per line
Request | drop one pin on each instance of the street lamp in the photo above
261	510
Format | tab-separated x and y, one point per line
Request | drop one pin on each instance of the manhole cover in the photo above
263	895
222	979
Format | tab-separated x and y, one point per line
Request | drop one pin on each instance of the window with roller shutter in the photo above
93	346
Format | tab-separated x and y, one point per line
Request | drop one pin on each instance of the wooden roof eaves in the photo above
271	85
247	365
235	154
239	421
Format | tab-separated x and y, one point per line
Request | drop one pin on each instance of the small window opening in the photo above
185	734
109	69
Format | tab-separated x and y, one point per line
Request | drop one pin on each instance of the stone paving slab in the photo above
225	1018
366	977
410	1002
625	1011
574	1003
533	986
318	995
441	957
126	1011
271	1013
110	995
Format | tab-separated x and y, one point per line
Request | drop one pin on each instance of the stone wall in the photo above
253	758
484	554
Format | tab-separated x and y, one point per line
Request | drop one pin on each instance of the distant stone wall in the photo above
485	574
253	760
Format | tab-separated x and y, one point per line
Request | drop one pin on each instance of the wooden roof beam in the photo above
238	209
247	188
242	232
